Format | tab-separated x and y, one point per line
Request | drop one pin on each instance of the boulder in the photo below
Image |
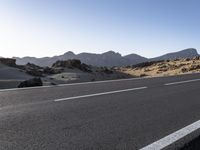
31	83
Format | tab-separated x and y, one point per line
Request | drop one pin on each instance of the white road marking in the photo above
181	82
27	88
170	139
105	81
71	84
99	94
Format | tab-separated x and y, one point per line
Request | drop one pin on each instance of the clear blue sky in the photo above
52	27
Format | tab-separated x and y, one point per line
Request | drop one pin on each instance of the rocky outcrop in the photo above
31	83
48	70
33	70
72	64
8	62
104	70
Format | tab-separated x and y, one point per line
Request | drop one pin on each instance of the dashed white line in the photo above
99	94
174	137
181	82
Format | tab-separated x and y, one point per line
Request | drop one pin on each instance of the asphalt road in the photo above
115	115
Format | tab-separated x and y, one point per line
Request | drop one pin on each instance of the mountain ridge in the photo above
109	58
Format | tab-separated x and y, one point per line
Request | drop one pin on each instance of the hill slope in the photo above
186	53
164	68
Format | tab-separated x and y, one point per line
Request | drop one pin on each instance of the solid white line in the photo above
27	88
70	84
181	82
170	139
99	94
96	82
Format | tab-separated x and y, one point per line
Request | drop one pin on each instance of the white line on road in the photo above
27	88
71	84
170	139
99	94
181	82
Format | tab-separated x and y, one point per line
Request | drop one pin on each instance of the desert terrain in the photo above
163	68
73	70
61	72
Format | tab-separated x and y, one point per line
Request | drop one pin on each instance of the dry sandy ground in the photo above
164	68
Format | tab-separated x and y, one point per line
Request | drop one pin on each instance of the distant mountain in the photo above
186	53
135	59
108	59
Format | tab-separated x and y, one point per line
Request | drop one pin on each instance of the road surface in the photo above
112	115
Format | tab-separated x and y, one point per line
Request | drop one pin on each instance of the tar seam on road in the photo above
170	139
181	82
99	94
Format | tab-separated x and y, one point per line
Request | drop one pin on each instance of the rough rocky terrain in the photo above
73	70
163	68
61	72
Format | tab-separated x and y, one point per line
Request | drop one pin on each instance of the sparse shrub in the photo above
184	69
187	59
163	66
194	67
143	75
146	64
